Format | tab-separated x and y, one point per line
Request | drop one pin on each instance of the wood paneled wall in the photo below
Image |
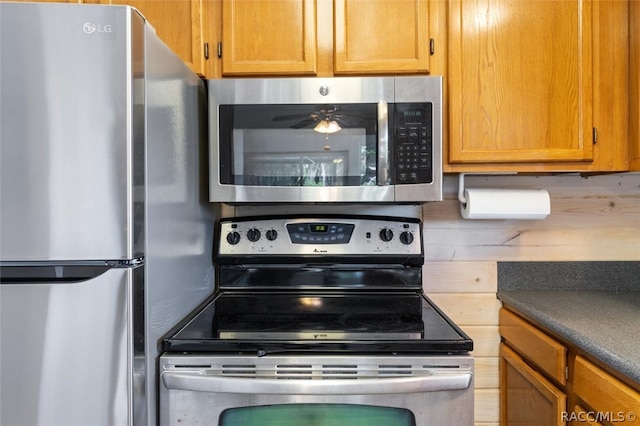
594	218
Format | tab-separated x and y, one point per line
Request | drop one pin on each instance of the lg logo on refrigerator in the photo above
90	28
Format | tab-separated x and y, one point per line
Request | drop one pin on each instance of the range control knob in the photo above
233	238
386	234
271	234
406	238
253	234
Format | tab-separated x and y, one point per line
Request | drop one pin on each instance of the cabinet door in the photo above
268	37
178	23
381	36
520	81
526	397
634	55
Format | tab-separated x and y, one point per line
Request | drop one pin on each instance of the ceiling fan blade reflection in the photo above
290	117
304	123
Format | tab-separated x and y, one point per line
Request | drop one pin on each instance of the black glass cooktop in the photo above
275	322
285	285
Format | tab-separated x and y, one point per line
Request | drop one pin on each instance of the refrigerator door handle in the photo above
43	273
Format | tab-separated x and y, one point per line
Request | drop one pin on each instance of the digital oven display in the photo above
319	228
320	232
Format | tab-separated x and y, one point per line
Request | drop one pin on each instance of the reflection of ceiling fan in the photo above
328	119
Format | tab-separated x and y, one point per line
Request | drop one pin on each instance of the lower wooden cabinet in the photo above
634	84
580	416
608	398
526	397
546	353
545	380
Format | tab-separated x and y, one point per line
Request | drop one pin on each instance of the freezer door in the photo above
65	352
71	132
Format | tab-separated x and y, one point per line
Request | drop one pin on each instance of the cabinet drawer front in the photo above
526	396
580	416
603	392
535	346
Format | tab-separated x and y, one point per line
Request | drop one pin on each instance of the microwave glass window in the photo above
298	145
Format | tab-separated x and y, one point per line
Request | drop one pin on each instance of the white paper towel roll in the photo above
485	203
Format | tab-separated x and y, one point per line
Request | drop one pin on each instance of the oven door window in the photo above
317	415
298	145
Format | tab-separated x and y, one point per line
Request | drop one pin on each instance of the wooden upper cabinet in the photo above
268	37
381	36
178	23
324	37
520	81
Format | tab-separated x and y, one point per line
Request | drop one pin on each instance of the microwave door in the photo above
304	153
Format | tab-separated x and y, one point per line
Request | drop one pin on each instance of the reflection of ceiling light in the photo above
311	302
326	126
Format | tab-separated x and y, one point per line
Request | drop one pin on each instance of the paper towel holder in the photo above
461	176
486	203
461	196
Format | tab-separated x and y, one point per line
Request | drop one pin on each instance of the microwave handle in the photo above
435	382
383	143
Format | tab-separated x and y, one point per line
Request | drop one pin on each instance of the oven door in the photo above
322	390
283	140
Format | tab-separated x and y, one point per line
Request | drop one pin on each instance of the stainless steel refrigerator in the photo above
105	232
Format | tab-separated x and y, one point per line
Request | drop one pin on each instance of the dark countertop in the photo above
604	324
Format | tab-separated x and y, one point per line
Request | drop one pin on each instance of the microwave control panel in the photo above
413	143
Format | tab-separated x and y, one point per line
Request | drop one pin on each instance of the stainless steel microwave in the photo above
325	140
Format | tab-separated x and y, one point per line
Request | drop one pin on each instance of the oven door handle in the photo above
435	382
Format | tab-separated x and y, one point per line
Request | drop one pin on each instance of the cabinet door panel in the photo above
268	37
520	81
527	398
634	54
381	36
178	23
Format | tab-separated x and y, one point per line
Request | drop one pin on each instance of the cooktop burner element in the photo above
326	284
319	317
374	327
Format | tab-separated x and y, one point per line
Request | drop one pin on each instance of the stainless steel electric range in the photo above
333	304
